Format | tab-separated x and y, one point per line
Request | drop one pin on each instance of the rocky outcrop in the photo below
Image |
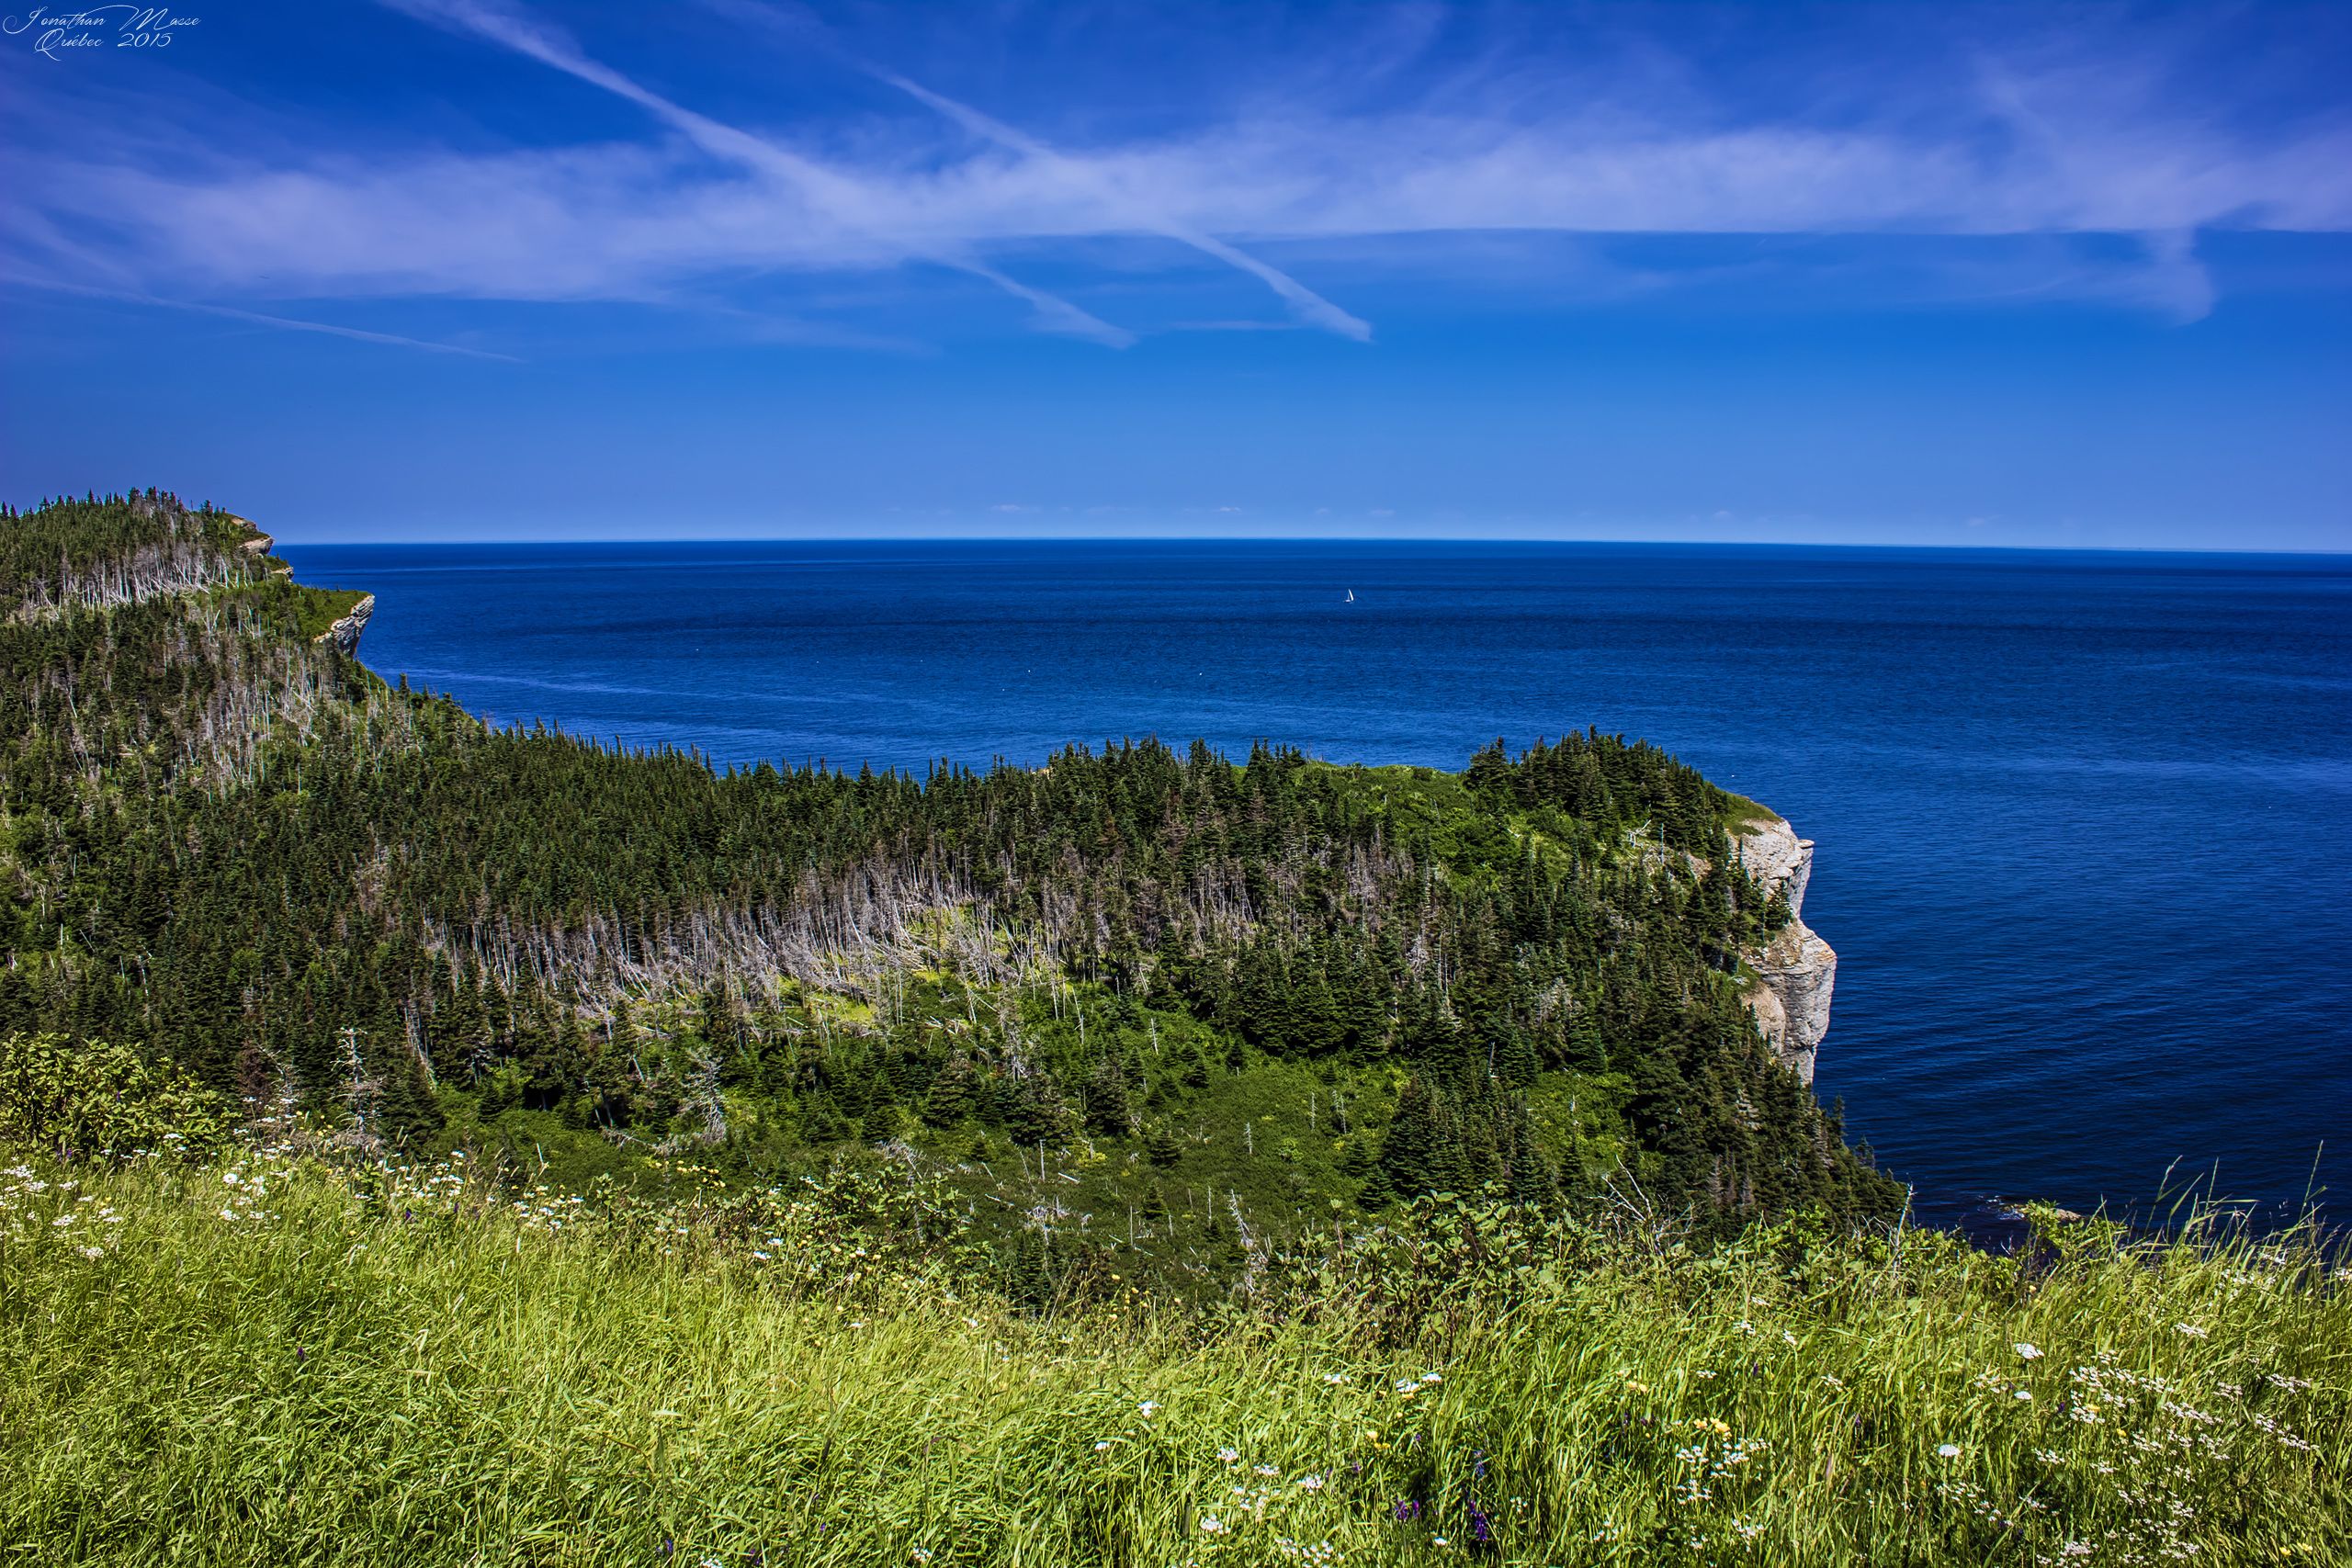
345	632
1796	974
1795	970
257	542
1775	857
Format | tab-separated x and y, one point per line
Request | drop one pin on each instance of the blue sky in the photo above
2035	274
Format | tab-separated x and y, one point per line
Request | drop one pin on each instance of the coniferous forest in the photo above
1144	996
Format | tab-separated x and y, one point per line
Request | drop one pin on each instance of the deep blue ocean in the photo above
2084	819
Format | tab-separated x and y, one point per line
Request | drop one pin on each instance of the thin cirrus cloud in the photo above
1133	209
812	188
696	205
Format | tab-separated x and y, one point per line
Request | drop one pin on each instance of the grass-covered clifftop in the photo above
271	1357
1140	997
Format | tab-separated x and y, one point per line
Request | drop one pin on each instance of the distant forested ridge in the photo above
1203	995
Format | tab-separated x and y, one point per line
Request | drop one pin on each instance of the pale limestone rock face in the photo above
1797	969
1775	857
345	633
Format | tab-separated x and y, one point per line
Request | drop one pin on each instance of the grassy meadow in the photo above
266	1355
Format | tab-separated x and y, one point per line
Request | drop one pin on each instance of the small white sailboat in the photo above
1352	595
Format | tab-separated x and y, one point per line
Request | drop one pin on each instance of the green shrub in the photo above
91	1099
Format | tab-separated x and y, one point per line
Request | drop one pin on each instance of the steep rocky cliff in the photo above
1795	970
345	633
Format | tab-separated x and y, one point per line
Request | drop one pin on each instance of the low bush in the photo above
87	1099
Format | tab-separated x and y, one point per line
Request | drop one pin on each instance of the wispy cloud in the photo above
1134	207
254	318
814	186
1432	167
290	323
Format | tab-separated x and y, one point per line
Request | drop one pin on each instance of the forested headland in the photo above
1220	994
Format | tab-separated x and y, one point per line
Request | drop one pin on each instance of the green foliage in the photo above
318	609
1172	983
95	1100
66	551
278	1359
1030	1167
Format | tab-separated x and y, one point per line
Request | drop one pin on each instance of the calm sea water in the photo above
2083	819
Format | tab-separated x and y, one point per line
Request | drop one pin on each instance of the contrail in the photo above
231	312
1308	305
832	191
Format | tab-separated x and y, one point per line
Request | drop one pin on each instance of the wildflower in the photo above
1102	1446
922	1554
62	1220
94	1252
1265	1470
228	1213
1432	1377
1212	1525
2025	1393
1149	1407
1335	1377
2191	1330
1227	1456
1947	1450
1310	1482
2027	1352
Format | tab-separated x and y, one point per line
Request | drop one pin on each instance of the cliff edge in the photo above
1795	970
345	633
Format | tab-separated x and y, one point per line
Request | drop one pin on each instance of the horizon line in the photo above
851	540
